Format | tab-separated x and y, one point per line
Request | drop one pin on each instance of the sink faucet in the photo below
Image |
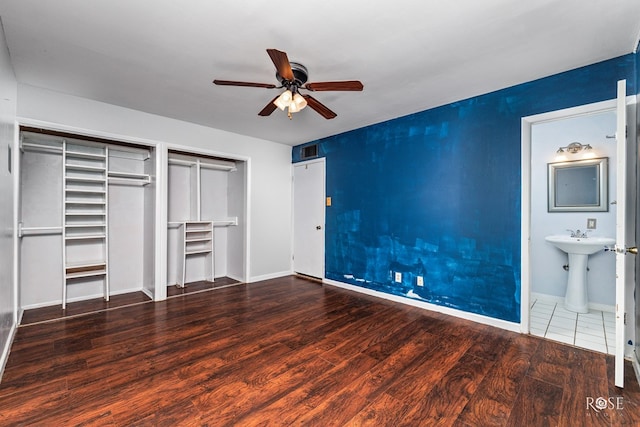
578	233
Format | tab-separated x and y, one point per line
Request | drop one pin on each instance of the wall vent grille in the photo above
309	152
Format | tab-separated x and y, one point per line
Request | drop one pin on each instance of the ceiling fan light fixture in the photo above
299	101
293	107
283	100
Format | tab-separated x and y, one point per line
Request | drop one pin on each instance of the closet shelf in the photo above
198	251
85	202
216	222
34	146
131	175
85	190
85	213
129	178
225	222
84	179
85	168
198	239
85	155
87	236
86	269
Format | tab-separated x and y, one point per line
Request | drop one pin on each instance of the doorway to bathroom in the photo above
549	317
545	140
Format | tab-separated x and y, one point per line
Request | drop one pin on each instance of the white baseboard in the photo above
7	349
560	299
485	320
148	293
238	279
269	276
82	298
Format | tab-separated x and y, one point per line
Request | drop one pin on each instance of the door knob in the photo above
318	227
633	250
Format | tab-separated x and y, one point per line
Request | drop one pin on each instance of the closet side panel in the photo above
148	274
126	238
214	205
41	206
236	197
179	205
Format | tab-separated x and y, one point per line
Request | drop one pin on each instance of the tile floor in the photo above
594	330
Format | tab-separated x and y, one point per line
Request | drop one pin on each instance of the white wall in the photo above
548	276
8	97
269	176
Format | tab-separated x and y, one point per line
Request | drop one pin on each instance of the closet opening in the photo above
86	222
206	213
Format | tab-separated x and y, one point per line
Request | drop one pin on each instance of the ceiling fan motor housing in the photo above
300	76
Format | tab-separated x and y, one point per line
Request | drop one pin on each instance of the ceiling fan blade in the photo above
281	61
269	108
319	107
248	84
348	85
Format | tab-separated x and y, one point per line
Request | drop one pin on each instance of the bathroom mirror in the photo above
578	186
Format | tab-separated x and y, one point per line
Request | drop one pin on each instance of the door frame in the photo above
321	160
525	242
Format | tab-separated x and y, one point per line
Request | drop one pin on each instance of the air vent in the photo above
309	152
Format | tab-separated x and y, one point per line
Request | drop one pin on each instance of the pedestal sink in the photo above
578	249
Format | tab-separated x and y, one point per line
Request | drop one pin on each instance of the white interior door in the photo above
621	230
308	218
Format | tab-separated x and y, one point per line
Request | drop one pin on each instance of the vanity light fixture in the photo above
574	147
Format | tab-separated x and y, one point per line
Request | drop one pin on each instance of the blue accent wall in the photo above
436	195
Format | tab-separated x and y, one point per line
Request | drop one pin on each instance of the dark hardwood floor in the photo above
294	352
80	308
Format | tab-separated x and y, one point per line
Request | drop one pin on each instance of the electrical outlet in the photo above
419	281
398	277
591	223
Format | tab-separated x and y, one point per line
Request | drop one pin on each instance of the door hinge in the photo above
625	318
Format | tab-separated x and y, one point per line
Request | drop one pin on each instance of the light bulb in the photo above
299	101
283	100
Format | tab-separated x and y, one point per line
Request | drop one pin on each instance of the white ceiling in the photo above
160	56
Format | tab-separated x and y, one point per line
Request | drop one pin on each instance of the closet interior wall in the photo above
73	205
205	192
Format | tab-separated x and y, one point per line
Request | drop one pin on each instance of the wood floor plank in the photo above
446	400
311	394
385	410
493	401
537	404
290	351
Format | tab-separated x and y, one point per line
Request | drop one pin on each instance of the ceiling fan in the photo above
293	77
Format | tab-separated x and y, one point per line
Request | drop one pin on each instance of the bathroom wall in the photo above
436	194
547	275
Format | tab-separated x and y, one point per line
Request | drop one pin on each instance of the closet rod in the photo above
132	151
215	222
38	231
130	181
202	165
34	146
